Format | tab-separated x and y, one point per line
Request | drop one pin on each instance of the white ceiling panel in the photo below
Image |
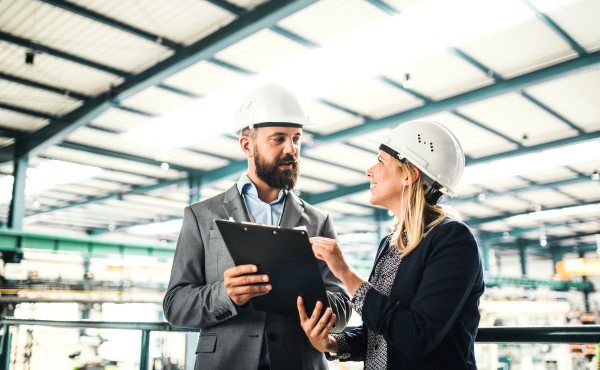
182	21
204	78
344	155
156	101
579	19
105	140
123	177
546	197
206	193
327	20
54	71
119	120
587	191
150	208
313	186
505	184
103	185
247	4
507	203
574	97
520	48
345	208
35	99
363	140
79	189
441	75
475	141
464	191
473	209
77	35
224	146
18	121
587	167
514	116
61	195
550	175
261	51
402	4
363	197
166	203
101	161
118	212
373	98
329	119
328	172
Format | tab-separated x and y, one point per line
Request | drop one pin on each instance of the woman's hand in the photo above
318	331
329	250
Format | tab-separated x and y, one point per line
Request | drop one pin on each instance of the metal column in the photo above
194	181
522	244
485	250
5	347
17	204
145	350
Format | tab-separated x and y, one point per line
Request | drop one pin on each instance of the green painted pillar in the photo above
5	348
556	256
16	211
485	245
145	350
522	244
194	181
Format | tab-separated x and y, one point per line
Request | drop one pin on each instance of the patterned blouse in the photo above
382	280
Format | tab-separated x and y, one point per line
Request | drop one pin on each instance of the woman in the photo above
420	305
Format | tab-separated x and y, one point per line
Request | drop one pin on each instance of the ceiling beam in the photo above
27	111
41	86
263	16
556	71
33	45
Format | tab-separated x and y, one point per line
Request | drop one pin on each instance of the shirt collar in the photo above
247	188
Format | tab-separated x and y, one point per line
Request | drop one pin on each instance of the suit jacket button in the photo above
273	336
228	313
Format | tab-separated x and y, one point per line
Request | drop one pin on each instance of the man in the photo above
208	291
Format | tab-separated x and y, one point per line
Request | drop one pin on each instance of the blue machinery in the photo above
581	334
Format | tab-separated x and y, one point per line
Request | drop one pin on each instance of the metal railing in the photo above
576	334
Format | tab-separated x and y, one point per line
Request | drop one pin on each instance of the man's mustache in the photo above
287	159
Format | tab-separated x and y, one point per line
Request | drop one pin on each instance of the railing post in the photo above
145	352
5	348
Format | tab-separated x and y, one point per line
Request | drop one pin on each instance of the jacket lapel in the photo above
292	211
232	202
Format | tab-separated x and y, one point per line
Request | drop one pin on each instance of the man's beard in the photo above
276	178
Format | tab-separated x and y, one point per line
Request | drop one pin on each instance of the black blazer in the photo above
431	317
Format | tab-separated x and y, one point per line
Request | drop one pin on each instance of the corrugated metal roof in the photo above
54	71
520	48
220	145
472	209
261	51
504	184
78	35
579	19
441	75
575	97
327	20
550	175
327	172
105	140
343	155
115	119
36	99
101	161
514	116
329	119
507	203
126	178
204	78
546	197
156	101
18	121
183	21
587	191
373	98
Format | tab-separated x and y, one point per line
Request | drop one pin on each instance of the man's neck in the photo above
265	193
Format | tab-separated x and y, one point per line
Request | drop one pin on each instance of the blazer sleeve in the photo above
189	301
448	276
337	294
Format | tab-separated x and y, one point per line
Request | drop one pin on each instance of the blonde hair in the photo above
420	217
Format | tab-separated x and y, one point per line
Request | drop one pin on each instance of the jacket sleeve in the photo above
189	301
338	295
357	340
448	276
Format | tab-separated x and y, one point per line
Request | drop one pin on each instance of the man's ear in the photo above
246	146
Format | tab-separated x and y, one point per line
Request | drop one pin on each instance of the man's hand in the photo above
317	330
238	286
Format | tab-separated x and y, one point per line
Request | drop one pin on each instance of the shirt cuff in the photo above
358	300
343	352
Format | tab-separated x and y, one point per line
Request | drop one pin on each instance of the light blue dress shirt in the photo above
263	213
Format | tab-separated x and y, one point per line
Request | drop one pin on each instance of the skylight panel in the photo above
547	5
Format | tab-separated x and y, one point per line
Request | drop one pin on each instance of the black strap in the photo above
277	124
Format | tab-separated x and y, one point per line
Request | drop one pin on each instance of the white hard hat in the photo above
270	105
433	149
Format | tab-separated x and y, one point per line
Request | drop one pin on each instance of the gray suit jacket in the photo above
231	337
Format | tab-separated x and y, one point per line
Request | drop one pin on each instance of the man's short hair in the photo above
250	132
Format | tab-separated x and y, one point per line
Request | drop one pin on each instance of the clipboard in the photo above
286	256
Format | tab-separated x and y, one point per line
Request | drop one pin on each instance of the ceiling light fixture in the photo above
408	82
